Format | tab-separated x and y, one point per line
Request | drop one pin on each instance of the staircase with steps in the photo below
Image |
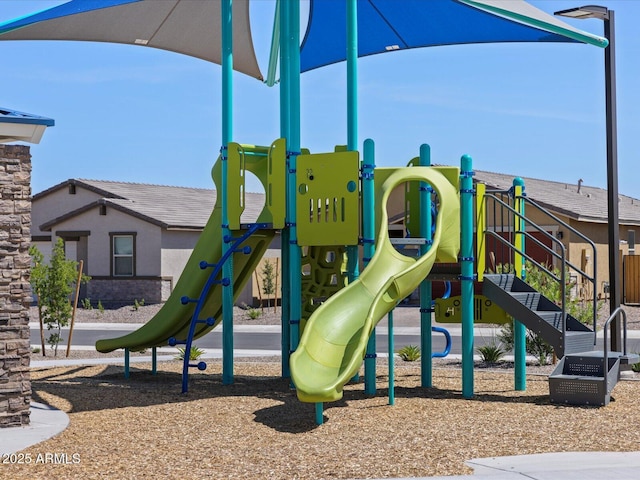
579	378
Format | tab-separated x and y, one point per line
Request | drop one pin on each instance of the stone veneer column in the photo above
15	291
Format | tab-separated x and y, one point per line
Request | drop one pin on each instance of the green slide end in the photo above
174	318
334	340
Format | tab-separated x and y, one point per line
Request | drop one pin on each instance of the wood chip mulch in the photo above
256	428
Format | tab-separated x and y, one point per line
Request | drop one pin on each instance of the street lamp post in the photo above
608	17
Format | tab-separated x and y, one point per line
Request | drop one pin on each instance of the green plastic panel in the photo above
412	203
323	274
448	310
327	199
268	164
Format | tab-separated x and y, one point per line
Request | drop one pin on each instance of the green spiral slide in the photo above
334	340
174	318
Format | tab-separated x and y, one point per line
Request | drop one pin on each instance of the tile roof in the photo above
167	206
588	205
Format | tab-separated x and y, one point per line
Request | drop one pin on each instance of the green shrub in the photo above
100	307
491	353
409	353
137	304
86	304
636	366
194	354
253	313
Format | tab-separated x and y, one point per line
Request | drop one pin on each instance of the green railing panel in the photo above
327	198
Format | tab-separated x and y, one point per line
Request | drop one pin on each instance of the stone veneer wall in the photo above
124	291
15	291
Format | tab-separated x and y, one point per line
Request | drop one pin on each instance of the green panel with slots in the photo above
447	310
327	199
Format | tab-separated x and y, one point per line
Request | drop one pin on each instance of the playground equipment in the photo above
195	306
229	250
333	344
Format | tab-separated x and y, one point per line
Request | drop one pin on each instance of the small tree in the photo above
268	280
53	284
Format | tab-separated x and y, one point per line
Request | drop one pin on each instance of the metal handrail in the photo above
606	343
562	280
564	262
593	249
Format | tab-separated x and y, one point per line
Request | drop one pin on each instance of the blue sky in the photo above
136	114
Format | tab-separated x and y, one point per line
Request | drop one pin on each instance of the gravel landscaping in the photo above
142	427
256	429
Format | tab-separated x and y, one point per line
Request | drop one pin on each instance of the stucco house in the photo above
582	207
133	239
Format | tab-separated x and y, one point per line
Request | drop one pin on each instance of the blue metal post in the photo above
426	298
227	129
519	330
368	234
392	376
154	361
466	278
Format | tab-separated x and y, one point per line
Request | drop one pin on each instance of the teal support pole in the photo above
519	330
154	361
392	373
275	45
368	235
353	269
467	277
126	363
227	129
285	127
426	297
293	147
352	75
319	413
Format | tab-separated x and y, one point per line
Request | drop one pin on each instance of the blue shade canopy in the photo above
22	127
389	25
191	27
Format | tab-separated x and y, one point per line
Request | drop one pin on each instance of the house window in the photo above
123	255
72	189
103	209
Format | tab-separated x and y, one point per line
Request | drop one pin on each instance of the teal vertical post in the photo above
353	271
368	235
227	129
426	298
285	128
466	278
126	363
353	267
392	375
319	413
519	330
293	147
154	360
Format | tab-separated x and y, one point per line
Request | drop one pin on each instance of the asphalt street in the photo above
268	337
